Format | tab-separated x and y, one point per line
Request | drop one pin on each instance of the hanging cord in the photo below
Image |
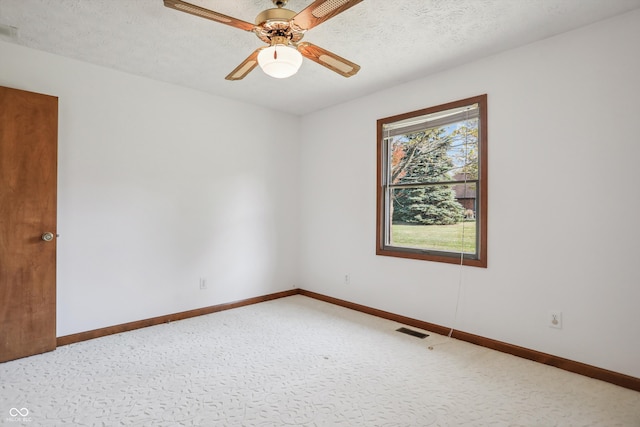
461	269
388	203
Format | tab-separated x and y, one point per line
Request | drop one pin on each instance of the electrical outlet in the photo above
203	283
347	279
555	319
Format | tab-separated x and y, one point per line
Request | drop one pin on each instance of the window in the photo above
432	184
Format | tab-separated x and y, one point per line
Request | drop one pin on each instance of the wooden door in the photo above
28	172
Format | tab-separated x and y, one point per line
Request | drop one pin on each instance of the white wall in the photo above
159	186
564	200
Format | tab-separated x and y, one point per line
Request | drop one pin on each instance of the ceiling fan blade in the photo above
208	14
328	59
321	10
245	67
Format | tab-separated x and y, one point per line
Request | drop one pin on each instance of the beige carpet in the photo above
297	362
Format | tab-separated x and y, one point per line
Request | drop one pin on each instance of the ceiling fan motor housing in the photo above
272	23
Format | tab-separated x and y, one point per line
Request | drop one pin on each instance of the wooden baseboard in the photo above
125	327
616	378
612	377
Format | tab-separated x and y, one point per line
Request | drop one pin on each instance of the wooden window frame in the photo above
480	258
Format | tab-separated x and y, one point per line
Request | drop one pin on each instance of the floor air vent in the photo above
412	333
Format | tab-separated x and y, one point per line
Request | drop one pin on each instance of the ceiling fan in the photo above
282	29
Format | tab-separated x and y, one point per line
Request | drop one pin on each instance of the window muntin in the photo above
432	183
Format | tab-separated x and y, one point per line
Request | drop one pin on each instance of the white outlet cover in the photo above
555	319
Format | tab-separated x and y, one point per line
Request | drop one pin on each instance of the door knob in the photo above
47	237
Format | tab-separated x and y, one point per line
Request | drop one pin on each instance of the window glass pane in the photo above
435	217
444	153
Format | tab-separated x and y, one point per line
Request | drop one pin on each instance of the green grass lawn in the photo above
438	237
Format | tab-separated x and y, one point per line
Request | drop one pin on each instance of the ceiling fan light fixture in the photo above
280	61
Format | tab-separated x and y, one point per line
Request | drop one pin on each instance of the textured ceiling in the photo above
393	41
